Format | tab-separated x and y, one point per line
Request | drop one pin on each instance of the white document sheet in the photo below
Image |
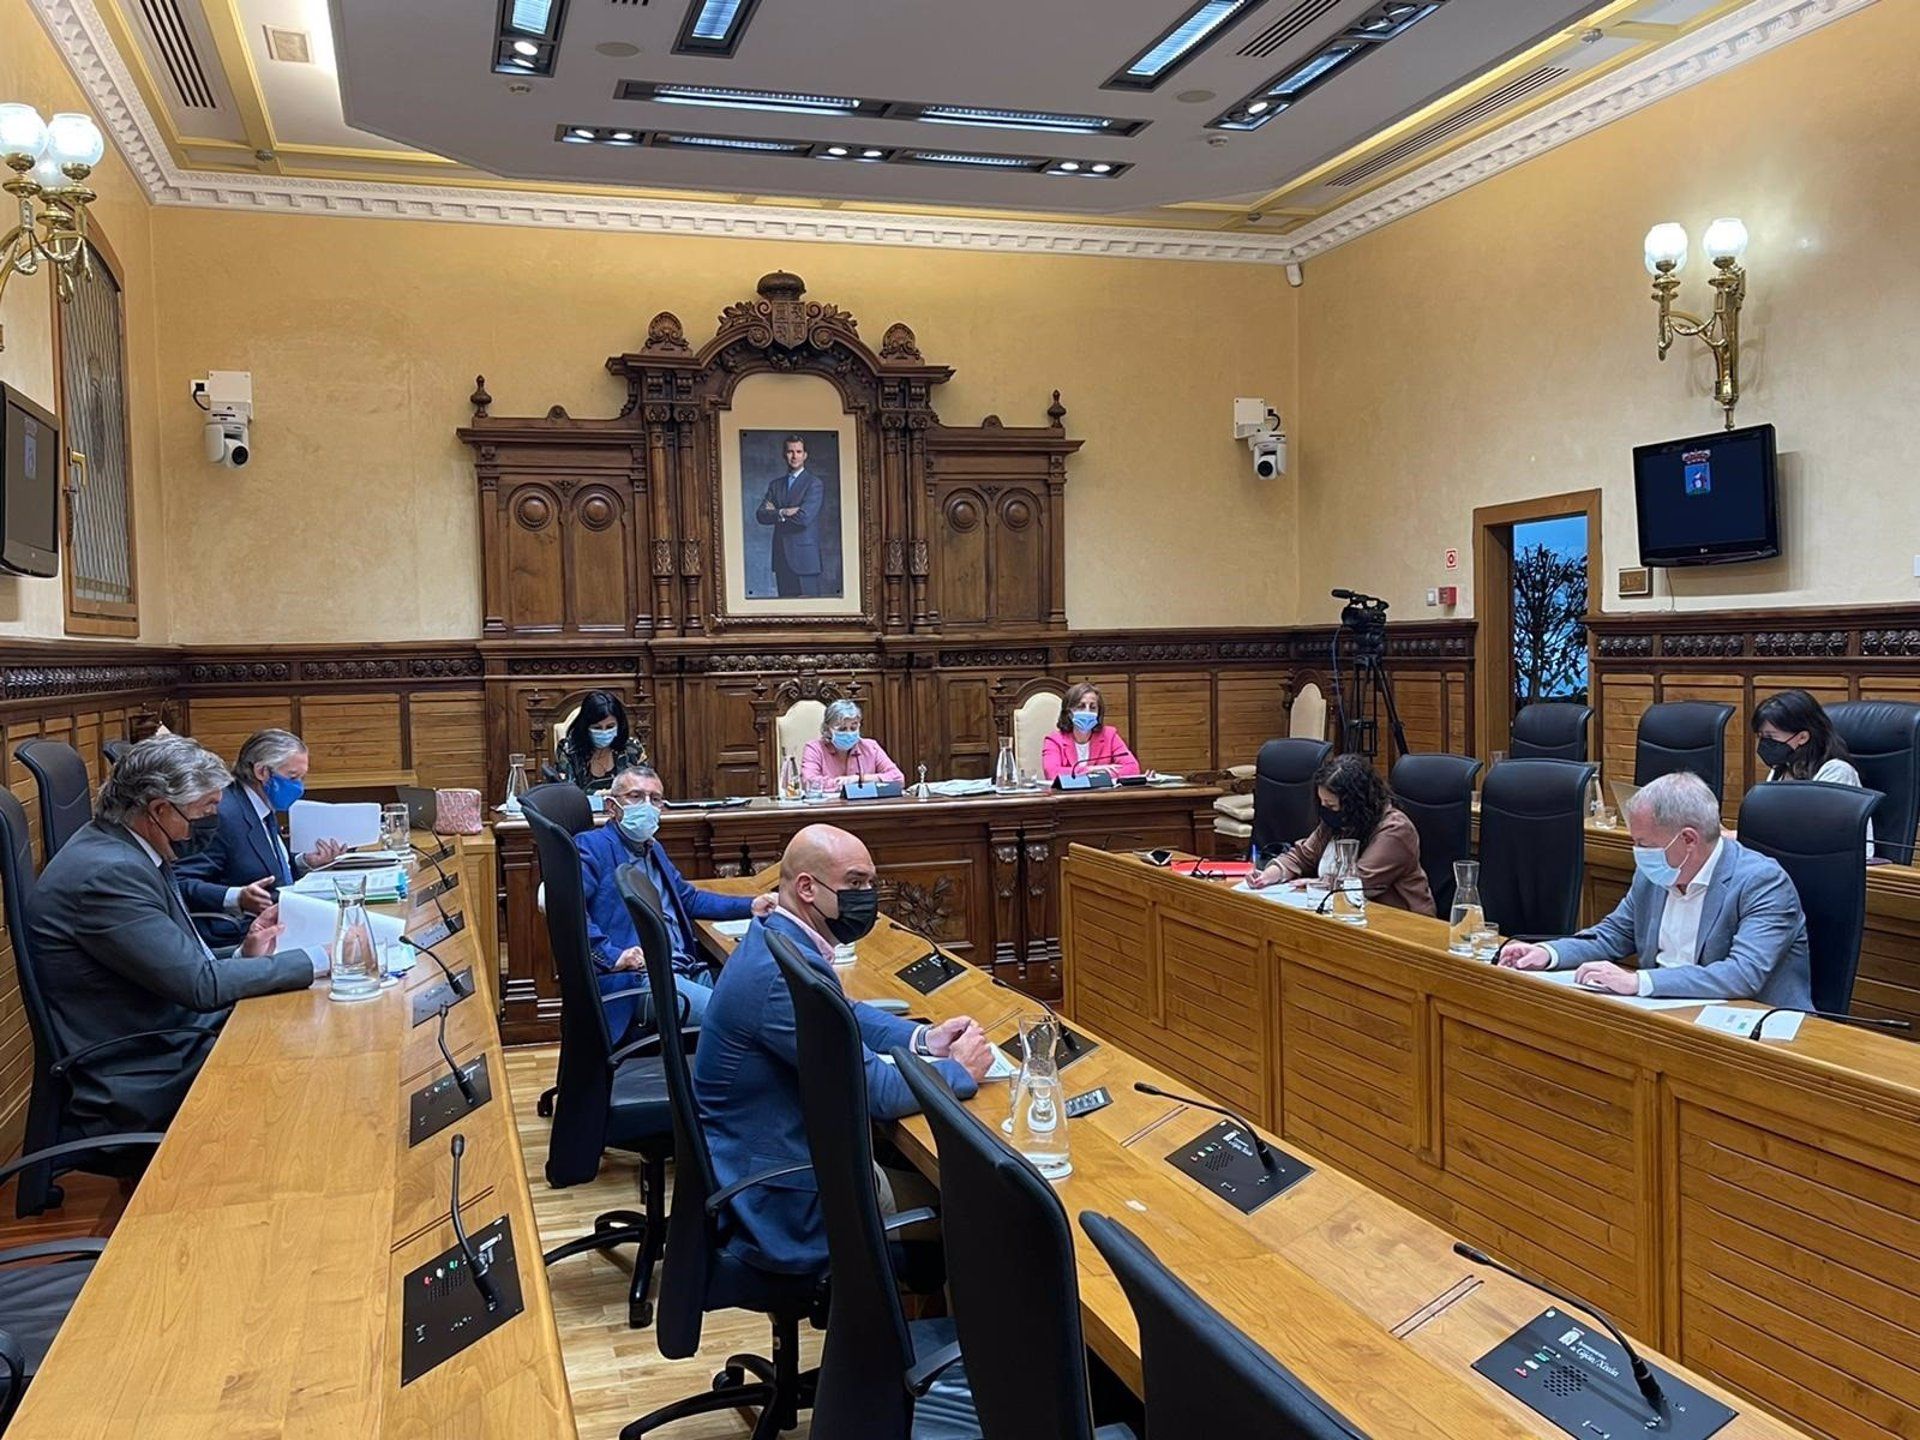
1740	1020
733	929
1564	979
310	921
1002	1067
315	820
382	885
1309	899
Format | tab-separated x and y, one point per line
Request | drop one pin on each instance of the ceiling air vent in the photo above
174	44
1286	27
1488	104
293	47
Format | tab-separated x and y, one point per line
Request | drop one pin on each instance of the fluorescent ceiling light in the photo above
1181	43
1015	119
729	142
1368	33
714	27
729	99
715	18
531	17
1334	55
995	162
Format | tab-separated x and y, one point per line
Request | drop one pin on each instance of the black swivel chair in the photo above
66	795
1683	735
699	1273
1283	800
1007	1235
880	1377
607	1098
1436	793
114	750
1818	833
1533	845
1883	738
1203	1376
1550	730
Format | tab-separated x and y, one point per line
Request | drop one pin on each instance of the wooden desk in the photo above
1357	1294
252	1286
1752	1208
979	874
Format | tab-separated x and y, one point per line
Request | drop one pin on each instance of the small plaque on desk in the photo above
1101	781
1566	1371
1073	1046
439	930
930	972
891	790
434	1106
1224	1161
442	1312
439	887
427	1002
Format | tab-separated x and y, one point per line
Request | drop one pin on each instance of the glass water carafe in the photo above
356	958
1348	903
516	783
1039	1116
1006	771
1466	918
790	783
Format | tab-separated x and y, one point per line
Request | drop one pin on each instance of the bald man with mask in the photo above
745	1071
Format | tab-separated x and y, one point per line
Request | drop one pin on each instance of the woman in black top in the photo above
597	745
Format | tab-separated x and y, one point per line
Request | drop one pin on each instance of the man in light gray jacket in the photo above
1705	918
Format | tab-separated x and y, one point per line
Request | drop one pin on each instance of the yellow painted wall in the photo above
364	338
32	71
1500	345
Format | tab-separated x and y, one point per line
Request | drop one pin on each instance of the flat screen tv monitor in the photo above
1708	499
29	486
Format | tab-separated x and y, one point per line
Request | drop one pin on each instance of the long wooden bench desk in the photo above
1360	1296
252	1288
1749	1207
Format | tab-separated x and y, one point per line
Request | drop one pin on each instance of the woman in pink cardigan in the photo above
1084	744
841	757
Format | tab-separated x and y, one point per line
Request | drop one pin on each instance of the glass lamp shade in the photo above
47	174
1666	241
74	139
1726	239
22	131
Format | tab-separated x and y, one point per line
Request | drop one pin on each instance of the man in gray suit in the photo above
1705	918
792	507
117	955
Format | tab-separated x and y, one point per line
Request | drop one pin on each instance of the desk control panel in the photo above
1224	1160
1567	1372
438	888
453	923
428	1000
1073	1046
436	1105
442	1310
930	972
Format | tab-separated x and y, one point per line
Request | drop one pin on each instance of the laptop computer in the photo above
422	806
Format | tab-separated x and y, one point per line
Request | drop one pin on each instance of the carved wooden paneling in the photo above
1327	1024
1249	710
448	740
1211	1011
223	724
1623	699
358	733
1173	722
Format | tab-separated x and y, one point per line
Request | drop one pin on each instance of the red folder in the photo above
1213	869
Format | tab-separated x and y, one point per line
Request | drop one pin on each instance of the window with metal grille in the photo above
93	413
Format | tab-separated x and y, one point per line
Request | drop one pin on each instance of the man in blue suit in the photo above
745	1073
633	818
792	507
1707	918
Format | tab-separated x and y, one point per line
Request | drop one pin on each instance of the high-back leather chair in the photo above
792	731
1283	800
1683	735
1550	730
115	750
1883	741
1533	845
1818	833
1436	794
1037	717
1307	716
66	792
1203	1376
881	1378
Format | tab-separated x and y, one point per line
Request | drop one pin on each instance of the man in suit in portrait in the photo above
792	507
124	973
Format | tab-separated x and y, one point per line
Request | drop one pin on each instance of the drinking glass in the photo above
396	829
1349	902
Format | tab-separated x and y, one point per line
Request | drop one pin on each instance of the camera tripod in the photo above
1366	680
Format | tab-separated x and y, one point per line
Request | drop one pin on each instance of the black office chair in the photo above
1007	1234
880	1377
699	1273
1436	794
1818	833
66	794
1283	799
115	750
607	1098
1550	730
1883	740
35	1298
48	1125
1683	735
1533	845
1203	1376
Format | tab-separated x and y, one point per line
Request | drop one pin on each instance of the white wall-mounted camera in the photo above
227	397
1258	423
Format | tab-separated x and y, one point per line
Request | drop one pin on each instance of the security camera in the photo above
227	444
1258	423
1270	456
227	397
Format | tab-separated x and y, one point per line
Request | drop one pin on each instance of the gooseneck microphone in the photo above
1069	1041
453	980
459	1075
1865	1022
1259	1145
481	1280
1650	1390
427	855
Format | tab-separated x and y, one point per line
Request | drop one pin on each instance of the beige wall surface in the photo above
32	71
358	517
1500	345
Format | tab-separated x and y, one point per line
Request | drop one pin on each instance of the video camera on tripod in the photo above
1363	688
1366	616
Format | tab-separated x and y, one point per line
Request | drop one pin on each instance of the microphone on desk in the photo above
1069	1041
453	980
459	1075
1865	1022
445	919
1650	1390
1259	1145
481	1280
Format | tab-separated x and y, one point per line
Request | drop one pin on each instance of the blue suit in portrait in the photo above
796	538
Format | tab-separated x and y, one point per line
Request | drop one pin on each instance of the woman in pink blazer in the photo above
1084	744
842	757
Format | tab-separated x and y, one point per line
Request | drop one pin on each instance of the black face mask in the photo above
1330	819
200	833
859	910
1775	754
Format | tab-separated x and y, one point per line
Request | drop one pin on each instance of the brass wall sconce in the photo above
1666	255
50	161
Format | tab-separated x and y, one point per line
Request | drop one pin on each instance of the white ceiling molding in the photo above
78	30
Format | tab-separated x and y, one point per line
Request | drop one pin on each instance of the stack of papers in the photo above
383	884
310	923
956	789
1309	899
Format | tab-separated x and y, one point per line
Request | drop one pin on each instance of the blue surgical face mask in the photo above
283	790
845	740
603	739
1085	720
639	821
1652	863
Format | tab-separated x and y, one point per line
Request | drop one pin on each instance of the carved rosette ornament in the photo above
665	333
899	344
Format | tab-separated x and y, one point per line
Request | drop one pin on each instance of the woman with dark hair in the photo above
1083	743
597	746
1796	741
1354	805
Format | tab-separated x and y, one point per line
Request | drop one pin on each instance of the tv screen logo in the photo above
1697	471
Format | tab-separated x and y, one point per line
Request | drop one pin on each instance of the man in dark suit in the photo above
792	507
117	955
234	877
745	1071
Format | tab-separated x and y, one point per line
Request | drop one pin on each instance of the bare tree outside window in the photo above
1549	638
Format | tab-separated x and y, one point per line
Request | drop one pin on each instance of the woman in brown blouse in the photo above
1354	805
